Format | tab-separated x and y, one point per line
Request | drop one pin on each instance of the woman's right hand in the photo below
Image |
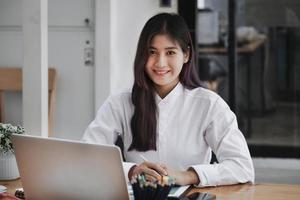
152	171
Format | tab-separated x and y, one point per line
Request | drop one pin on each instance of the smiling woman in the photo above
168	122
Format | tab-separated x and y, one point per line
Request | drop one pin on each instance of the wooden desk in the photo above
11	186
258	191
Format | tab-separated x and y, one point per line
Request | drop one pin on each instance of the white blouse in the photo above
191	124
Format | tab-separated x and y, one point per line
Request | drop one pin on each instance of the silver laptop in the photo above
63	169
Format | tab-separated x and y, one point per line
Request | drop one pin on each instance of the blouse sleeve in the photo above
228	143
104	129
107	125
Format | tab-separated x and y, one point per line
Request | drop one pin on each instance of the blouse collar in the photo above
172	96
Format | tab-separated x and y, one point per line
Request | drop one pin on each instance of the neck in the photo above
163	91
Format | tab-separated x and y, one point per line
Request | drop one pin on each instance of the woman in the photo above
168	122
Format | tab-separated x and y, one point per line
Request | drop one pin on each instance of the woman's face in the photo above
164	63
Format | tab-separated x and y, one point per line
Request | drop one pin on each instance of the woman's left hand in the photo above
187	177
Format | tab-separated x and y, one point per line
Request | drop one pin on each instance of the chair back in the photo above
11	80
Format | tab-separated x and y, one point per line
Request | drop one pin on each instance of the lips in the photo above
161	72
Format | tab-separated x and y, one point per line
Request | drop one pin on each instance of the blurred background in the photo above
92	43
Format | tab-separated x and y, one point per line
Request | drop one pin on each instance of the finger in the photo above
145	169
157	167
164	166
150	178
151	172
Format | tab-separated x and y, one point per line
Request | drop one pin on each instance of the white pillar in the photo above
103	37
35	67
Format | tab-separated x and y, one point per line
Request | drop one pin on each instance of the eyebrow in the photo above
168	48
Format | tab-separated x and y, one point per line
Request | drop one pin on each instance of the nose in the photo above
161	61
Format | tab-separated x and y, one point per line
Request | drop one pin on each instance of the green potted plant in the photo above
8	165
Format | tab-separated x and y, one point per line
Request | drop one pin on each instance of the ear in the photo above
186	57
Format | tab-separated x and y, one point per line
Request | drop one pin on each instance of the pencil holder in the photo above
146	190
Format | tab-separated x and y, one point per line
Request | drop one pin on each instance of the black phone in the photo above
195	196
201	196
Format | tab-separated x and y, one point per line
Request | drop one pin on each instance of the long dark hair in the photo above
143	121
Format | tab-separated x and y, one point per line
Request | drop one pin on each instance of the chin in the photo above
161	83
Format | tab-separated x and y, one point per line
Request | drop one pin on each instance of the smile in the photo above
161	72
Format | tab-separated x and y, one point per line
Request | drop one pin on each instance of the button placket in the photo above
161	117
163	123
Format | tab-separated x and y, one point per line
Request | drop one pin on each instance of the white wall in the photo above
67	36
128	21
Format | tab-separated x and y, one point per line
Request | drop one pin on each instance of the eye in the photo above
170	53
152	52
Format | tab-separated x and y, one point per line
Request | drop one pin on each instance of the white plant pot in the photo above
8	166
